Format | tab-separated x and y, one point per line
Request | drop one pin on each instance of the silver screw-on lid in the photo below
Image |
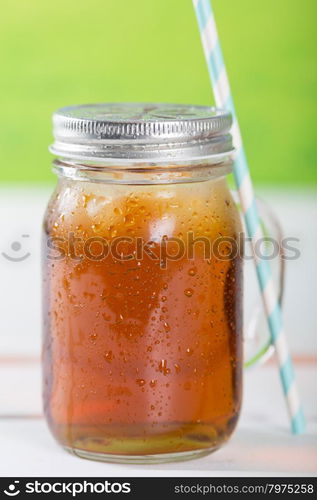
141	132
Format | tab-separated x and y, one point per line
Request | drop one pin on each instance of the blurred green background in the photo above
55	53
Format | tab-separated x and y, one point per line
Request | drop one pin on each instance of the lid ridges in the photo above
109	126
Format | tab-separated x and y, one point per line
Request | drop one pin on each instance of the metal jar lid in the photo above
141	132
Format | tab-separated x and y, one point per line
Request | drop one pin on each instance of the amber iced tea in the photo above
141	358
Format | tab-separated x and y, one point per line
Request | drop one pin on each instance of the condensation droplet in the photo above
129	219
108	356
140	382
113	233
188	292
163	367
117	211
167	327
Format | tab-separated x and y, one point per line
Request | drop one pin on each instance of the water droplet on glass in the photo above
108	356
177	368
129	219
167	327
140	382
163	367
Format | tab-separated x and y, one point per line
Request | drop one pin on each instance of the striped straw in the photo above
223	98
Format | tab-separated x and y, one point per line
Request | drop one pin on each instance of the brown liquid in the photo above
139	358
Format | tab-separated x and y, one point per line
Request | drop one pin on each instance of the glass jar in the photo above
142	349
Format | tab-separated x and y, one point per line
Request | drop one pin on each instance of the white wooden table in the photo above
262	444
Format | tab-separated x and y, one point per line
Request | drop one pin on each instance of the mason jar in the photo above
142	271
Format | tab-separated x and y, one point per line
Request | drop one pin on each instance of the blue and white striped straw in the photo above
223	98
